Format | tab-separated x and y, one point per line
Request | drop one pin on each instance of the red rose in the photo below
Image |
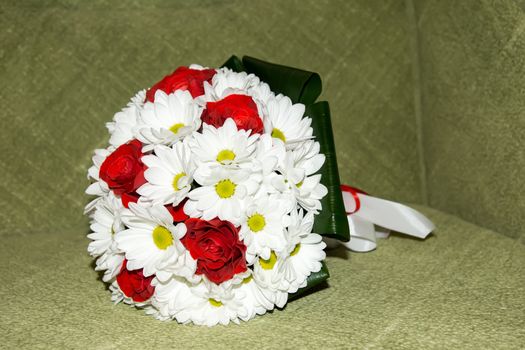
134	285
123	169
241	108
216	246
183	78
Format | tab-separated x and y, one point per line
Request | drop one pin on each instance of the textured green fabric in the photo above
472	73
426	102
66	69
460	289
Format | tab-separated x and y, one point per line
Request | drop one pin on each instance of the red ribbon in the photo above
354	191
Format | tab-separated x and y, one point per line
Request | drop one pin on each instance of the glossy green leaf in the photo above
332	220
300	85
234	63
315	279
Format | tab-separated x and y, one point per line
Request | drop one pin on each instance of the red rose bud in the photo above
183	78
241	108
134	285
216	246
123	169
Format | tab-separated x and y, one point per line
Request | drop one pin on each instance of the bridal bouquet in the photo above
214	191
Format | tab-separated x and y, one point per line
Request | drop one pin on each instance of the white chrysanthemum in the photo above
221	193
267	157
223	146
106	222
263	226
261	93
111	263
121	128
182	265
255	300
150	238
168	119
98	187
269	277
293	181
285	122
202	304
227	82
305	252
169	175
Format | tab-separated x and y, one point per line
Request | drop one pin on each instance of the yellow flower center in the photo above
176	127
256	222
162	237
296	249
299	184
225	188
176	179
247	279
270	263
278	134
225	155
215	302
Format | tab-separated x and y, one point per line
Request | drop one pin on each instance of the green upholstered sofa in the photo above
428	102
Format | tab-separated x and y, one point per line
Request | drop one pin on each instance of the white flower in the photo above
222	193
121	128
293	181
110	262
267	157
255	300
99	187
270	278
305	252
227	82
182	265
261	93
202	304
285	122
168	119
169	175
150	238
263	226
106	222
223	146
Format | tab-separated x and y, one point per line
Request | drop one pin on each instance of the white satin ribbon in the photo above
375	218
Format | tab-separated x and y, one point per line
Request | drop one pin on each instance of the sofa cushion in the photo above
472	67
463	287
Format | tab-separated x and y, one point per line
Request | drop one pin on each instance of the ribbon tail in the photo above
394	216
362	235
